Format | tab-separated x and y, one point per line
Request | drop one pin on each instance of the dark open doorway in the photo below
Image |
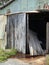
37	23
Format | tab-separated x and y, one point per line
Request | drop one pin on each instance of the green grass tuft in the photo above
5	54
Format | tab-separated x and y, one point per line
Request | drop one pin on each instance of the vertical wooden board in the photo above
20	32
8	35
47	37
17	32
10	31
3	22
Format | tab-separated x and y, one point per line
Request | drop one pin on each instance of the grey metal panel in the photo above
17	32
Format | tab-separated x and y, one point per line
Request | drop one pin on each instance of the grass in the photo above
47	59
5	54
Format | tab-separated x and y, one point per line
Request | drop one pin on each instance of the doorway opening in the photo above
37	25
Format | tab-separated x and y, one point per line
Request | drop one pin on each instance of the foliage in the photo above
5	54
11	52
3	1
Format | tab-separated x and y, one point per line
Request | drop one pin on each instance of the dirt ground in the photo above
36	60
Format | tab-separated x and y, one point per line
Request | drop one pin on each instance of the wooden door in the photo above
10	31
16	32
20	33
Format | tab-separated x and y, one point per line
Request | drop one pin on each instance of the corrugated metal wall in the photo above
24	5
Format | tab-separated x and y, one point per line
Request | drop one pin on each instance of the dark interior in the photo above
37	23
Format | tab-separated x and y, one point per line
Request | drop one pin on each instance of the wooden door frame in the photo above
47	49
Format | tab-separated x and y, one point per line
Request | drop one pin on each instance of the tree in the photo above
2	2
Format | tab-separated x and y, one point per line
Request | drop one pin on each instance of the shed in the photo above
26	27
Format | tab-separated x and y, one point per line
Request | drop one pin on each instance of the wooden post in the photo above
47	37
27	34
